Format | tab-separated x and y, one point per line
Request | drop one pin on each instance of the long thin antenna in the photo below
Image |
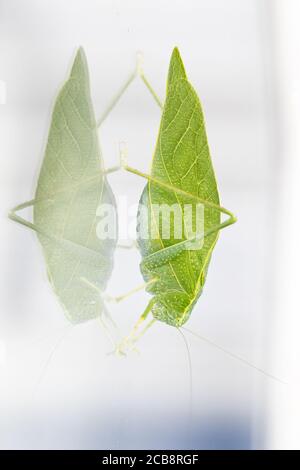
50	357
234	356
190	407
189	365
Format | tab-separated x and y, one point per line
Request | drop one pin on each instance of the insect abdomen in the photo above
173	308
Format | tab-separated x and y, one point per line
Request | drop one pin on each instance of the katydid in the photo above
173	273
181	173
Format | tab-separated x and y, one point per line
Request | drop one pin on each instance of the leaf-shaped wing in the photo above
181	160
71	187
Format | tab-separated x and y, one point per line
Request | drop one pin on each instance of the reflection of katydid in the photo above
71	185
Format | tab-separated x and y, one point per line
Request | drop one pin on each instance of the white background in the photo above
59	388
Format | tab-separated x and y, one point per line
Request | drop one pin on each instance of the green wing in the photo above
182	160
71	186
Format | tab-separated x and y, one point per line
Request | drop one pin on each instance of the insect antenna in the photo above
235	356
50	356
190	373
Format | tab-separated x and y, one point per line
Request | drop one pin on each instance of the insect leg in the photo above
156	98
106	315
142	76
164	255
171	188
129	293
137	72
118	298
127	344
16	218
20	220
132	245
88	253
161	257
116	98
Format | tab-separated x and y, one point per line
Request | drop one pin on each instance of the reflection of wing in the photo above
70	189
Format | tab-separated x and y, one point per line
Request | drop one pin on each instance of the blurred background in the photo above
58	386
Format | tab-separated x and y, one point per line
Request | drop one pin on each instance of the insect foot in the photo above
126	345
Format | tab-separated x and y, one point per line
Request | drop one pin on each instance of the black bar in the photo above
136	458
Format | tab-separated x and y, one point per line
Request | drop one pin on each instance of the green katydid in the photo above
181	173
71	185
